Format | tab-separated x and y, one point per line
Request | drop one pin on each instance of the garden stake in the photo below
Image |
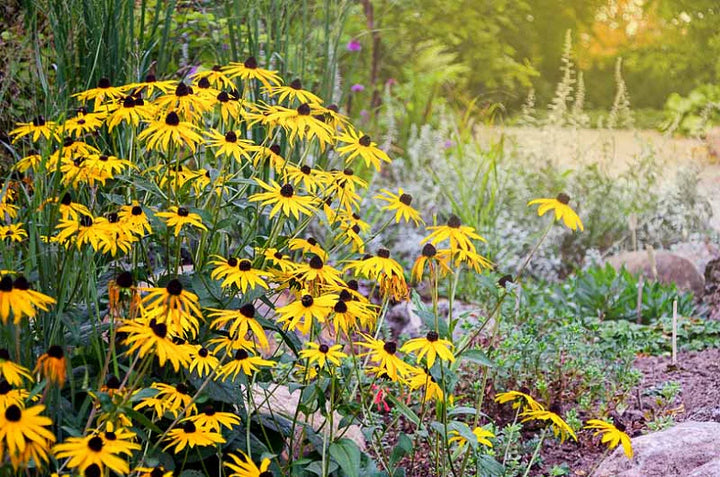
639	300
674	335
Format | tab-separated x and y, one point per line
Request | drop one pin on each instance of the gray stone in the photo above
669	267
711	469
681	450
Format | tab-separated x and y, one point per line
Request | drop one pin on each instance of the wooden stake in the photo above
674	334
638	308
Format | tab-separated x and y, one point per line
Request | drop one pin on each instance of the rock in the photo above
670	268
711	469
402	318
278	400
712	287
681	450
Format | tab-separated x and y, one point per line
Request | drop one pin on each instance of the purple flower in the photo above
448	144
357	87
364	113
354	45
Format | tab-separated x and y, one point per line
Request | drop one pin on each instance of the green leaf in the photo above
402	448
404	410
477	356
347	455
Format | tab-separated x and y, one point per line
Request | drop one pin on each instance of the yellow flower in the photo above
437	262
283	198
309	245
316	272
83	123
13	232
519	398
37	127
20	426
230	145
422	379
152	337
300	313
375	266
322	354
151	84
382	354
242	362
103	449
215	77
186	102
103	92
360	144
244	467
311	179
237	272
189	435
160	133
12	372
174	306
459	235
132	111
481	434
559	427
179	216
250	70
241	321
52	365
17	298
169	399
203	361
134	219
300	123
431	345
294	92
213	420
611	435
562	210
400	203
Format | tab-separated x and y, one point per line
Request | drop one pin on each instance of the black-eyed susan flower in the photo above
157	471
300	313
131	111
18	299
152	338
518	399
71	210
104	449
179	216
316	272
231	106
420	378
168	399
348	313
174	306
202	361
31	161
134	219
12	372
38	127
311	179
6	208
122	289
559	427
384	355
376	265
437	263
79	170
228	344
84	230
231	145
82	123
52	365
460	236
482	435
562	210
249	69
108	165
270	155
294	92
309	245
237	272
150	85
213	420
185	102
400	203
276	259
34	456
239	322
430	346
242	362
104	91
283	198
243	466
358	144
161	132
611	435
19	425
13	232
300	123
321	354
215	77
10	395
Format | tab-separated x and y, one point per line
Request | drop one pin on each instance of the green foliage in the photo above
695	113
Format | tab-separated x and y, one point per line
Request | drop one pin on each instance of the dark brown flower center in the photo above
563	198
21	283
6	284
113	383
129	102
345	295
383	253
323	348
38	121
405	199
305	169
204	83
150	78
340	306
4	387
275	149
183	212
93	470
251	63
124	280
188	427
365	141
159	329
95	444
266	473
181	388
245	265
136	210
56	352
66	199
172	119
304	109
307	301
231	136
248	310
104	83
390	347
429	250
223	97
454	222
113	217
174	287
241	354
432	336
232	262
182	90
316	263
157	472
4	354
209	410
312	241
86	221
110	436
203	352
296	84
287	191
353	285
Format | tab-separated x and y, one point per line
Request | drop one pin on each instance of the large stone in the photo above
686	449
711	469
278	400
665	267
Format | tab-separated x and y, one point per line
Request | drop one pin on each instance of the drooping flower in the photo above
358	144
460	236
243	466
214	420
18	299
383	355
249	69
432	346
37	127
237	272
562	210
322	354
559	427
611	435
400	203
52	365
244	363
481	434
